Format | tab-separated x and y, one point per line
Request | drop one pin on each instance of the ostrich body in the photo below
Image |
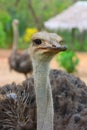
69	99
20	62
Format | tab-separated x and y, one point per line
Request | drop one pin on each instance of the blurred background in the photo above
67	18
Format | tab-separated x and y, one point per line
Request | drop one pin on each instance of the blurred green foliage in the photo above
5	20
68	60
2	35
19	9
11	9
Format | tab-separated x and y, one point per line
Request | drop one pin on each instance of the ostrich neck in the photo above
43	96
15	38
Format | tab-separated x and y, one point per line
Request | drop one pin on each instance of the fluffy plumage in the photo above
21	62
17	107
69	97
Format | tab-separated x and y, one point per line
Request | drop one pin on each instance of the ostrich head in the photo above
15	22
46	45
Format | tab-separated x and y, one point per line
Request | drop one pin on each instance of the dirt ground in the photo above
8	77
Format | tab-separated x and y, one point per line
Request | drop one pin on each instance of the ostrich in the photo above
18	102
20	62
45	46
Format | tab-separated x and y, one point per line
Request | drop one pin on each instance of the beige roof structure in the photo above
73	17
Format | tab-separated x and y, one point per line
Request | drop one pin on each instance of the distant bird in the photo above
22	107
19	61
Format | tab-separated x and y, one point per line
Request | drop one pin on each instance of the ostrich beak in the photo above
55	46
59	47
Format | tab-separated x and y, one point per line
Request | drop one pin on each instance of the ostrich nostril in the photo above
53	45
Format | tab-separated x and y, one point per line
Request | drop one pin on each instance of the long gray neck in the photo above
15	38
43	96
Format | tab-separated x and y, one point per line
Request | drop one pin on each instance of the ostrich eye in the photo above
37	41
